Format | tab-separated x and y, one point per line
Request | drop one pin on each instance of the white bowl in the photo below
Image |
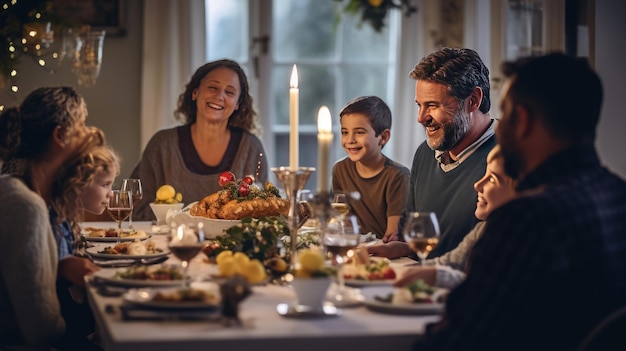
212	227
161	210
311	292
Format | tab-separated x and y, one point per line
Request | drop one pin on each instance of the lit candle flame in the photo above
324	122
293	82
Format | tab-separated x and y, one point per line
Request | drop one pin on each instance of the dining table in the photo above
261	326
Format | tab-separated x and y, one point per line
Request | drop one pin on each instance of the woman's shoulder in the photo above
16	195
168	133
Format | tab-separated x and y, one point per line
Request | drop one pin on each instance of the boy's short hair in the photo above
376	110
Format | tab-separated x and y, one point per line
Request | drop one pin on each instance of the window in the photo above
335	61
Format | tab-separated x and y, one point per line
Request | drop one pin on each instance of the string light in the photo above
35	38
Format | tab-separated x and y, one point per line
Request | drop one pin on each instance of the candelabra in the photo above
293	180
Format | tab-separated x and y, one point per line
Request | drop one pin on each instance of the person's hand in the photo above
388	237
74	269
408	276
390	250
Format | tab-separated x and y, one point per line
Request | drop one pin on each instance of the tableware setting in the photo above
174	298
119	206
111	253
421	233
161	212
142	276
340	241
113	234
310	282
186	241
418	299
368	271
134	186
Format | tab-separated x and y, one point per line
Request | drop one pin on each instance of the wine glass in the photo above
186	241
119	206
340	242
421	233
341	208
134	186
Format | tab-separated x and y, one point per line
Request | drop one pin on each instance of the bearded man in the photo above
452	94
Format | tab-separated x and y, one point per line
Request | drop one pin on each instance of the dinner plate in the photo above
109	276
145	298
114	239
93	251
405	308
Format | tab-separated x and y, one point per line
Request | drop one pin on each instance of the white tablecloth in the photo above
263	328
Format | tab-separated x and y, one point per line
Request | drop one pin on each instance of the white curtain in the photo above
173	48
406	133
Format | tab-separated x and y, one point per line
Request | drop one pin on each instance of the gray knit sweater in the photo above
29	309
163	162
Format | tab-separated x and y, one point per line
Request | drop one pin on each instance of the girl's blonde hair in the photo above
95	158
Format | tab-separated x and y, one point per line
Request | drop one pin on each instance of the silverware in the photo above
130	262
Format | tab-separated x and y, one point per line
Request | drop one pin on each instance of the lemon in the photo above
178	197
241	259
254	271
228	267
222	256
278	264
310	260
165	193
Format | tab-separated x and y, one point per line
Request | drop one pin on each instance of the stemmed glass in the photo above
134	186
119	206
341	205
340	241
187	240
421	233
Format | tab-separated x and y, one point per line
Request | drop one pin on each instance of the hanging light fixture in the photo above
29	29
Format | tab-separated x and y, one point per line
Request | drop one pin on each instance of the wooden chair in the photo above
609	334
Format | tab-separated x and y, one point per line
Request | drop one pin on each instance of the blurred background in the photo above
151	48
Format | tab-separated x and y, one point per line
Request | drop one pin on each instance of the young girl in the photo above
494	189
86	185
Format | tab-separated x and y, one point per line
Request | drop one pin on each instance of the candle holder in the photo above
293	181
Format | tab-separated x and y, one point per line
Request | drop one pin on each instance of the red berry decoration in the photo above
248	179
244	189
225	178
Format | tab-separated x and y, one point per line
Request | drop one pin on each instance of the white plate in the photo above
109	276
93	251
387	307
144	297
114	239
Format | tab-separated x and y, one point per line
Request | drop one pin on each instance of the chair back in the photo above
609	334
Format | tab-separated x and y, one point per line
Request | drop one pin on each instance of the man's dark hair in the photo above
458	68
564	91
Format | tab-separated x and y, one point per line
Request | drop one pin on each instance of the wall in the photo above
113	103
610	33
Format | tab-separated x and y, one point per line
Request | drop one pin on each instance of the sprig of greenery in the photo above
256	237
